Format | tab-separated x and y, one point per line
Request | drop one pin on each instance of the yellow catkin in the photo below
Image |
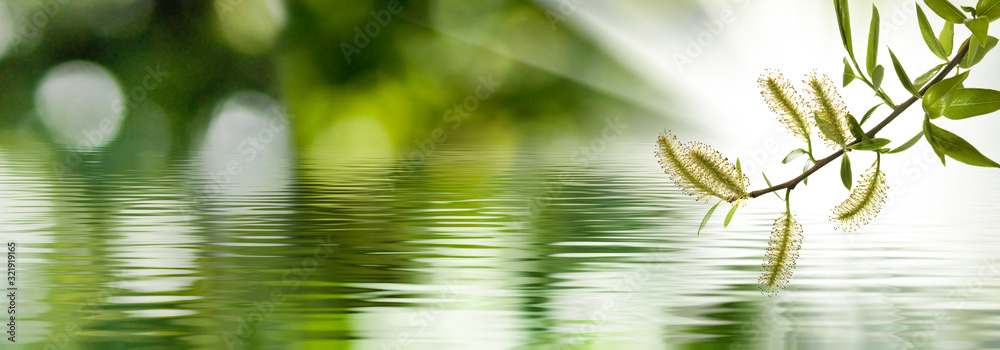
864	203
785	101
827	106
672	156
717	171
699	170
782	252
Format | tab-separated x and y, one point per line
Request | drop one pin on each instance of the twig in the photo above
790	184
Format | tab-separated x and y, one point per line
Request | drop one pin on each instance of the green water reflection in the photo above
480	247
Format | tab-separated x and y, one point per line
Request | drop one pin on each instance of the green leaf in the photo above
708	215
946	10
845	171
970	10
770	185
972	102
738	167
868	114
924	78
939	96
979	27
903	78
946	143
928	134
908	144
856	130
928	33
877	75
844	22
871	144
848	72
947	37
873	42
729	217
989	8
976	53
798	152
971	54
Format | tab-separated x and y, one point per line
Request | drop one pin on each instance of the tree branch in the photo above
790	184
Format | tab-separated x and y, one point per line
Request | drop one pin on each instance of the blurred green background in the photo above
365	94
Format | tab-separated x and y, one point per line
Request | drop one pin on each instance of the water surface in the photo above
478	246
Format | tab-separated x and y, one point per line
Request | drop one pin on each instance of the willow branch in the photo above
790	184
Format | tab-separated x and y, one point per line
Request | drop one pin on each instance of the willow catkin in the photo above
785	101
717	171
864	203
782	252
829	110
699	170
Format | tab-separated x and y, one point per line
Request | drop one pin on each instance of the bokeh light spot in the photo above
77	103
250	26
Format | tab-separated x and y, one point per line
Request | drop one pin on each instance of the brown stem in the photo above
790	184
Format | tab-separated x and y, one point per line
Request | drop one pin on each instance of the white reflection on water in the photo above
657	283
156	250
25	209
246	150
